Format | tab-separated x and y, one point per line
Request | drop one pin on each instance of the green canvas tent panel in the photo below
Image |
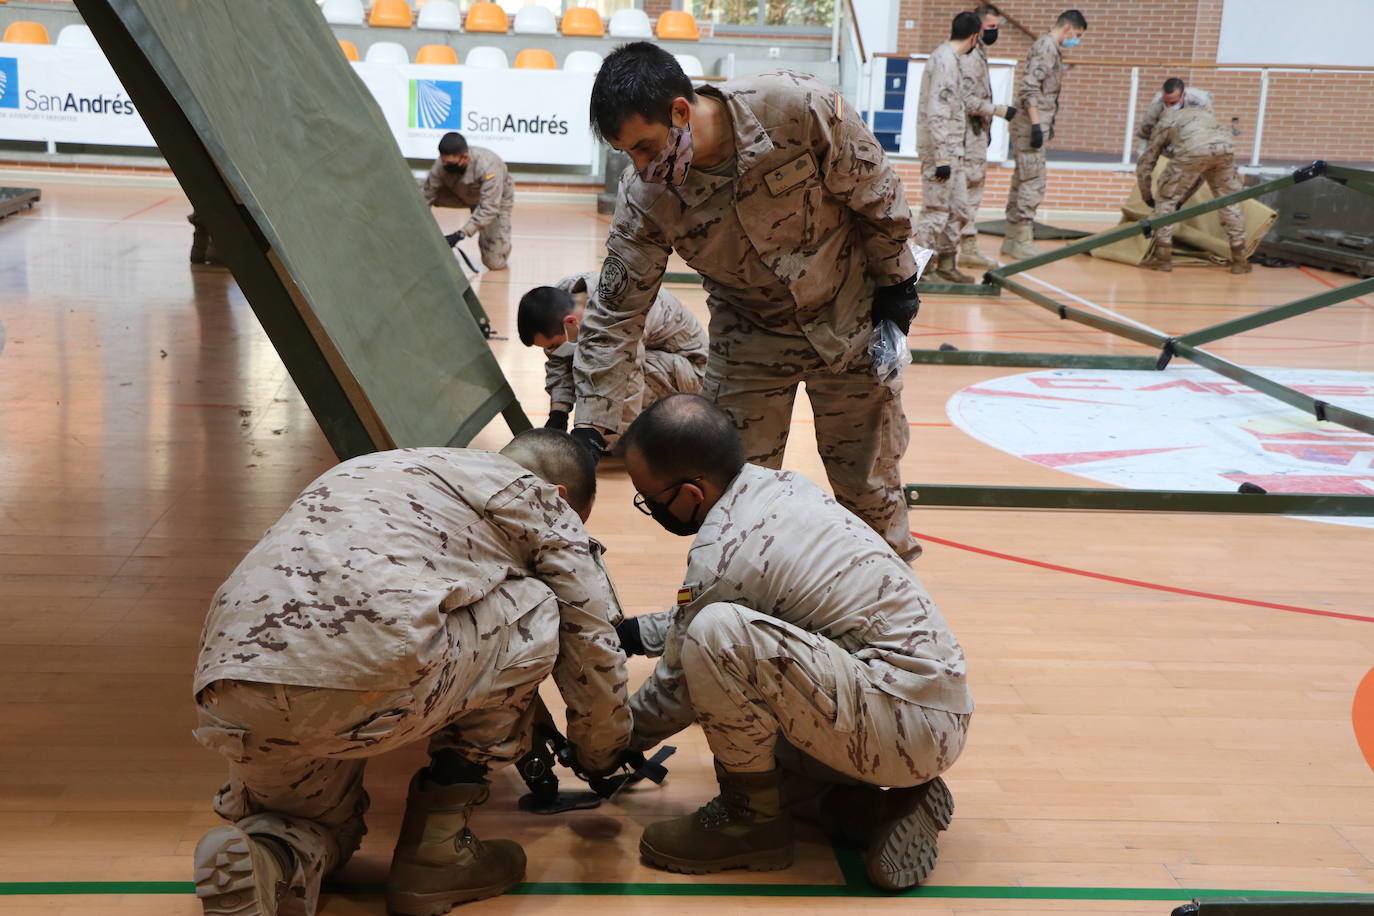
286	157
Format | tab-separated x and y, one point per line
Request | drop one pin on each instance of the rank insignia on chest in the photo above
684	596
790	174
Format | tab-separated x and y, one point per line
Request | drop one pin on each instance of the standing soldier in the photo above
671	357
816	665
774	190
1174	96
940	128
1037	95
473	177
973	67
420	593
1198	149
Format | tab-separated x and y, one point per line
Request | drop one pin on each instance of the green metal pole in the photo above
1050	360
1101	322
1278	313
972	497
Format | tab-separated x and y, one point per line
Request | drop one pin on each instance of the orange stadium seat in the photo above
486	17
535	59
349	48
583	21
436	54
390	14
23	32
679	25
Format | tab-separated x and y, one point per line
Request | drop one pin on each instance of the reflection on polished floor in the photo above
1180	719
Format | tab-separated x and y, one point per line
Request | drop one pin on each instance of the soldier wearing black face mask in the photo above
977	86
476	178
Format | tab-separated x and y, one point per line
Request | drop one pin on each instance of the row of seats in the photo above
529	20
23	32
490	58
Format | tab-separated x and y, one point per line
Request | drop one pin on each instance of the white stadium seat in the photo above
386	52
343	12
535	20
631	23
487	58
582	62
76	35
690	64
440	14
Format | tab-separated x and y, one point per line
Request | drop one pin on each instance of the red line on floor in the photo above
140	212
1138	583
1325	282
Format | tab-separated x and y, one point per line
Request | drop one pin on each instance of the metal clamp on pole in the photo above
1312	171
1319	408
1146	228
1166	353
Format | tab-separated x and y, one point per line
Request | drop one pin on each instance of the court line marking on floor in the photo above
1212	596
1325	282
1093	305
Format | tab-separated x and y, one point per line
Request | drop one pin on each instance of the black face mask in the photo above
670	522
454	169
989	36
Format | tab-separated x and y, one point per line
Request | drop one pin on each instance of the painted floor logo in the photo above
436	104
9	82
1182	429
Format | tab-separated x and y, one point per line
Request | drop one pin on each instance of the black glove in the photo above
558	419
631	642
591	440
898	304
942	173
1149	199
1011	112
1037	137
453	238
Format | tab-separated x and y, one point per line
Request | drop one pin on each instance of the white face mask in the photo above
565	349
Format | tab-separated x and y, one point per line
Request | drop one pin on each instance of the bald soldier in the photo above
411	594
941	125
1037	98
777	193
670	357
1174	95
476	178
1198	149
977	84
814	664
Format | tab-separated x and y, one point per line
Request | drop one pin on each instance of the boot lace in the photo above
715	813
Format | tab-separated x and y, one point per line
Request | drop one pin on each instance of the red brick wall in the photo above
1067	189
1308	116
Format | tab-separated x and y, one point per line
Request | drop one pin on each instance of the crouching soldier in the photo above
805	648
411	594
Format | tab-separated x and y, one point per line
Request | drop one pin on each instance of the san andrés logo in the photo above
510	124
79	104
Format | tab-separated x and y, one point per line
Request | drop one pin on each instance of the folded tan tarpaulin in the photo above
1198	240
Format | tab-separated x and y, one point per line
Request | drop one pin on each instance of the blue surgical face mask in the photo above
1071	42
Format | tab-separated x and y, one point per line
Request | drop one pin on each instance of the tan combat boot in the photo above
947	269
1240	264
742	827
240	875
1161	258
438	863
1017	245
970	256
898	829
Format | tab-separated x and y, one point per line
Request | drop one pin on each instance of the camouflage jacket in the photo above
813	217
977	86
1183	135
1041	79
942	119
1192	98
840	580
351	587
485	186
668	327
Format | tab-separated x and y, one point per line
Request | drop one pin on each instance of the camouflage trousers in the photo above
493	241
944	208
1027	189
297	754
861	429
756	681
1179	179
660	374
975	176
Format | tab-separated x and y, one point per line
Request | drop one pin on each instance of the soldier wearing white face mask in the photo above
1174	96
670	357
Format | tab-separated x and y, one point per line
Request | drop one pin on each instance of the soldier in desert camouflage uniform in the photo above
941	127
1174	95
820	648
420	593
1037	98
977	84
776	192
670	357
476	178
1199	149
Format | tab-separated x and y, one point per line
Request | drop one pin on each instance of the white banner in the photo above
65	94
1000	72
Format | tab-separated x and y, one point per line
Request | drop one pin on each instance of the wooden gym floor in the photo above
1149	720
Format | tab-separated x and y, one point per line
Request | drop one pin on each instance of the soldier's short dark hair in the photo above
541	311
637	78
1073	18
556	457
1174	84
987	9
452	144
685	435
964	25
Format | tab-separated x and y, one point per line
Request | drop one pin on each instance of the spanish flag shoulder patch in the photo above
684	596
